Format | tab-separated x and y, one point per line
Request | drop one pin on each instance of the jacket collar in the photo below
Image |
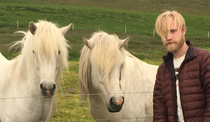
189	55
168	59
190	52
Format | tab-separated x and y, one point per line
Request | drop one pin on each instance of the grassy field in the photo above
196	7
89	16
139	25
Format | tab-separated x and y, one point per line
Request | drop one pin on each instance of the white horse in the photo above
29	81
119	86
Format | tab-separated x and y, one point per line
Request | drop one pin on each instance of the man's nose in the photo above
169	37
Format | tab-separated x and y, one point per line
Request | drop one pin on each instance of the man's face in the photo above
175	39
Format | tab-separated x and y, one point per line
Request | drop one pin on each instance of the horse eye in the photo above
59	52
33	51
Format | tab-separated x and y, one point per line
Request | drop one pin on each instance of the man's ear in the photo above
184	30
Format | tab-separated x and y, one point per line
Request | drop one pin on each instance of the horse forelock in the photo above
106	53
48	40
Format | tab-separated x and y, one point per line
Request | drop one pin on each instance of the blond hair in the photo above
163	22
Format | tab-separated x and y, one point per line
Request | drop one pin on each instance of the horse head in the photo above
49	54
106	61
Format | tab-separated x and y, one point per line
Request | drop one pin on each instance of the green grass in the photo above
112	15
69	108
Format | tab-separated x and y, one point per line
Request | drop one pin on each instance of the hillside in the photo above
139	26
196	7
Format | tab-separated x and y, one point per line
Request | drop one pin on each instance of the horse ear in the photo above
65	29
32	27
89	44
122	43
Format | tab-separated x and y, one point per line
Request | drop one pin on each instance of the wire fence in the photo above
132	119
136	119
118	119
74	95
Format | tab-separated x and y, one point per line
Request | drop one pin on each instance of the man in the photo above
182	86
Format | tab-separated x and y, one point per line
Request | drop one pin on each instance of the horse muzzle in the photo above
116	104
48	89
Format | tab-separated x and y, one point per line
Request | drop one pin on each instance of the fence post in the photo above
125	28
99	27
149	50
208	34
72	26
17	23
153	32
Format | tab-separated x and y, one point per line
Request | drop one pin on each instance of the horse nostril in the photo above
112	101
54	86
41	86
123	100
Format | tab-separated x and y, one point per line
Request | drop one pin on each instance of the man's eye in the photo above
173	31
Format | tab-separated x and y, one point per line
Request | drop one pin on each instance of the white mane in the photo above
105	55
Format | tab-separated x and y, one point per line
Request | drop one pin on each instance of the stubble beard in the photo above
175	46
